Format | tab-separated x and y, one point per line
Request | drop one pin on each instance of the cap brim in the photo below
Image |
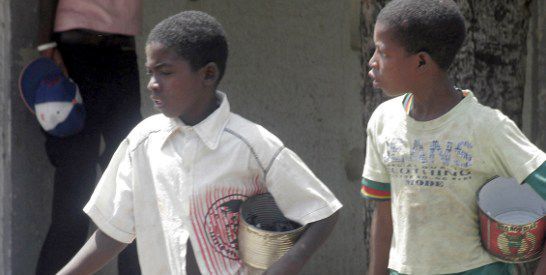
32	75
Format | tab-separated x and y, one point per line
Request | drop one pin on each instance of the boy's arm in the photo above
294	260
381	233
94	254
46	21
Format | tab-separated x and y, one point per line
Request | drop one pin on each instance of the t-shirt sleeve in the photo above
111	205
537	180
513	154
300	195
375	177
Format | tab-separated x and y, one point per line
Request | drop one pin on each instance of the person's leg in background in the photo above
109	87
123	115
74	159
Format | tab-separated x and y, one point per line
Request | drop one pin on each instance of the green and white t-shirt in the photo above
431	171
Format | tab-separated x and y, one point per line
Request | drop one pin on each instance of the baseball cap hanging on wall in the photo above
54	98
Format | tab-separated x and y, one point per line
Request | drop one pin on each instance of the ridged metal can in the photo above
261	247
512	220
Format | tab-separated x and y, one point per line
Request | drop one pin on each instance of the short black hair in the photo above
433	26
195	36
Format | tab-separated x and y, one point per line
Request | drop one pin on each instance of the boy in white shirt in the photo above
182	175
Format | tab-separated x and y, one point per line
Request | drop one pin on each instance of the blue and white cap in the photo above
54	98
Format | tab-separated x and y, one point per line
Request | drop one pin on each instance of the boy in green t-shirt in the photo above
431	148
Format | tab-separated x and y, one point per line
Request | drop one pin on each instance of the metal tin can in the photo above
512	220
264	234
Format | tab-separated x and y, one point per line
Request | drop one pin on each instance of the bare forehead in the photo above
157	54
381	31
385	36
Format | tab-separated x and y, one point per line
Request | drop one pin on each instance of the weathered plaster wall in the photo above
5	128
31	173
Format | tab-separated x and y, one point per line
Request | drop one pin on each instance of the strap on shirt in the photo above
407	102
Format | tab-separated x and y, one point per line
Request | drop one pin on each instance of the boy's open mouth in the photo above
157	102
371	75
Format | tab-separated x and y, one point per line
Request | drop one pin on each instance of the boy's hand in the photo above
55	55
293	261
285	266
541	268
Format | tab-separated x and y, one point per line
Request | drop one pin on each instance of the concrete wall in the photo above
291	69
31	174
5	128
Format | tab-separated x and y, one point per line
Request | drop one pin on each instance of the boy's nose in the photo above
372	63
152	85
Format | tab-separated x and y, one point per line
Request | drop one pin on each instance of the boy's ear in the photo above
210	73
424	60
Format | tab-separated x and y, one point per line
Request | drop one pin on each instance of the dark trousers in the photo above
108	79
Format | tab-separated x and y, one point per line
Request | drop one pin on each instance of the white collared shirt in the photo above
168	182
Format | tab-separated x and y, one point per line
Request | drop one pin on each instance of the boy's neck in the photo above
201	110
434	99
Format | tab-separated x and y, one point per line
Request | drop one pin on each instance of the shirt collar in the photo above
210	129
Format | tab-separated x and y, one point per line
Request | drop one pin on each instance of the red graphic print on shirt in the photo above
222	225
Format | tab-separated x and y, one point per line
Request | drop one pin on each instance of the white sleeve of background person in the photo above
300	195
111	205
